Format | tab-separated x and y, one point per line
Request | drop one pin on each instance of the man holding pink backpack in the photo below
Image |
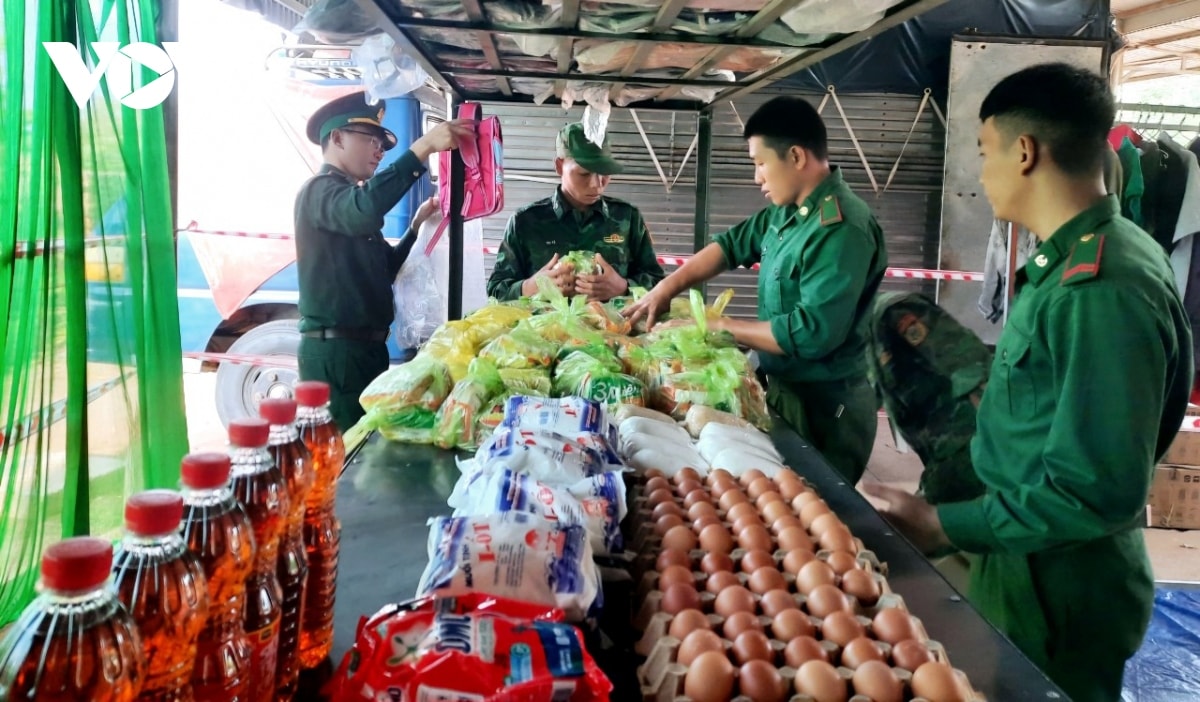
577	217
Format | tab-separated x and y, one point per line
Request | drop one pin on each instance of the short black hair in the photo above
786	121
1068	109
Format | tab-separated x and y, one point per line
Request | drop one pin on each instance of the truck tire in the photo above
241	386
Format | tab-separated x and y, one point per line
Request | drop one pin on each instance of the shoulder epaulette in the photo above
831	211
1083	263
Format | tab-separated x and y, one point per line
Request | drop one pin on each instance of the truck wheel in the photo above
241	386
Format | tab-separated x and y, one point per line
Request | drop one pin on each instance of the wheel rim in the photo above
268	382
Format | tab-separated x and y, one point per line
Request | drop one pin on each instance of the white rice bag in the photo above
738	462
568	416
700	416
668	460
597	503
626	411
723	432
709	447
640	425
515	555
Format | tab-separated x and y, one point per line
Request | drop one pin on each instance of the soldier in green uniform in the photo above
822	257
577	217
345	267
1088	387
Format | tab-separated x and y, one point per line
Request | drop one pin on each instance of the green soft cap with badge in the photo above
572	143
349	111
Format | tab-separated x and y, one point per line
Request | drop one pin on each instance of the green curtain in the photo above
91	405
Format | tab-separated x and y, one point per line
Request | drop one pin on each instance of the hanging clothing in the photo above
995	266
1183	186
1120	133
1134	185
1153	169
1195	147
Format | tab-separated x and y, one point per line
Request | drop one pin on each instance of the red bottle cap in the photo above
278	410
153	513
312	393
249	432
205	471
77	564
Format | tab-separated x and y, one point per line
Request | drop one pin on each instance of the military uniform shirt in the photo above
612	228
345	267
820	266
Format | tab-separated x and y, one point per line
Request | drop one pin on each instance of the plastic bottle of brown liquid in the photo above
162	585
322	531
295	463
261	490
217	530
75	641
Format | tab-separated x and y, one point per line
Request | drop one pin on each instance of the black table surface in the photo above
389	492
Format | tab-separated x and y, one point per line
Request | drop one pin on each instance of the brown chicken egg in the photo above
752	646
812	510
803	649
740	511
766	579
759	486
812	575
674	575
662	509
716	562
824	522
704	520
806	496
660	496
824	600
761	682
775	601
680	537
654	473
686	474
750	476
740	622
773	510
697	642
793	538
859	651
679	597
718	474
821	681
841	628
893	625
719	581
744	522
770	497
695	496
796	559
937	681
709	678
877	681
688	621
732	497
734	598
700	509
789	489
756	536
787	476
790	624
862	586
838	538
842	562
911	654
715	538
756	558
657	483
683	487
784	522
666	522
670	557
719	488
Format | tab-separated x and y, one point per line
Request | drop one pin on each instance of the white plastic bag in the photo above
419	300
515	555
336	22
387	72
549	456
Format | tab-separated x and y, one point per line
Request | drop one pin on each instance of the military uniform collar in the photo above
1060	244
562	207
330	169
824	190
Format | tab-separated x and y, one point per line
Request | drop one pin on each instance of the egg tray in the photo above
646	576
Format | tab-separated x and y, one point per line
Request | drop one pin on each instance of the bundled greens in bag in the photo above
403	401
526	381
613	389
582	262
455	423
572	370
522	348
562	322
605	318
453	344
491	321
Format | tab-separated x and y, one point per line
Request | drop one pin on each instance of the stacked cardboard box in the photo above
1175	493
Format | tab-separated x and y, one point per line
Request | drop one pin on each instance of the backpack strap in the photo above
469	149
441	228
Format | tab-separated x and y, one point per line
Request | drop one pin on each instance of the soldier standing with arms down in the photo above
346	269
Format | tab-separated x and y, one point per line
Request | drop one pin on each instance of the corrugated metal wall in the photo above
909	212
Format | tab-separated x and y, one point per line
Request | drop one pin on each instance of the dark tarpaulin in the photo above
916	55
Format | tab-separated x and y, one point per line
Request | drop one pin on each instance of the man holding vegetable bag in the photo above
556	236
822	257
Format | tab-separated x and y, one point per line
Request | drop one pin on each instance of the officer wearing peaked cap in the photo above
345	267
821	256
1088	386
577	217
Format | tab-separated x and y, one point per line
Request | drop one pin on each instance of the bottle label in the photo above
264	655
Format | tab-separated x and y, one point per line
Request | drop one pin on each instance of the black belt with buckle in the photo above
348	334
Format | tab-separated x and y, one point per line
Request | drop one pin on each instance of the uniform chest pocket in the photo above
1014	374
786	279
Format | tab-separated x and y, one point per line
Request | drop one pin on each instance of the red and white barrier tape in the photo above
241	359
33	422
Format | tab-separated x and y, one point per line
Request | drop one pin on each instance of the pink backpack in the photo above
483	170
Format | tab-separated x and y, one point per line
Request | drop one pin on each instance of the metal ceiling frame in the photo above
1158	15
